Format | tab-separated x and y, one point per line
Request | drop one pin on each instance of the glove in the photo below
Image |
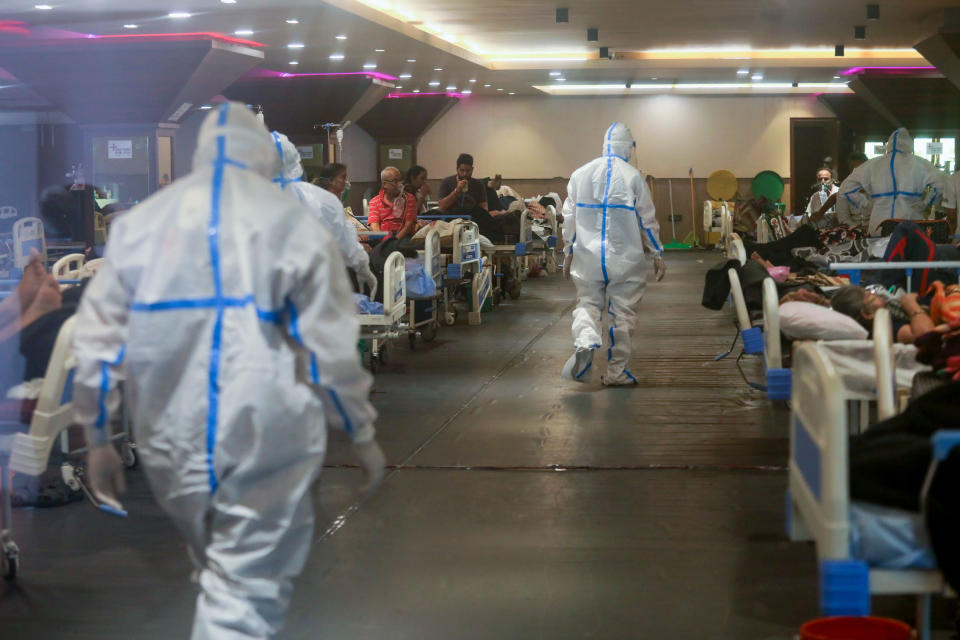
105	476
567	261
366	278
373	463
659	267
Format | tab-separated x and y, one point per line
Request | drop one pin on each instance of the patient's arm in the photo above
920	321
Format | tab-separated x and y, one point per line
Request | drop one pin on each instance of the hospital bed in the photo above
854	269
25	448
28	235
467	266
68	267
819	506
718	218
378	329
426	329
752	336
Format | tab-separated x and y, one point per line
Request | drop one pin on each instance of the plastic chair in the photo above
68	267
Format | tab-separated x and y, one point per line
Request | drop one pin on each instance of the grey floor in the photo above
520	506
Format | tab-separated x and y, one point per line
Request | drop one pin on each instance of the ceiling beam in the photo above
875	103
370	98
943	51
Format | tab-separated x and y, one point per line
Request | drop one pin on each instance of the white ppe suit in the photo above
898	184
324	205
608	218
228	306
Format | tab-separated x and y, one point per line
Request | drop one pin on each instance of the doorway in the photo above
812	140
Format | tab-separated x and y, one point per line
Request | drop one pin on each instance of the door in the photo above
812	142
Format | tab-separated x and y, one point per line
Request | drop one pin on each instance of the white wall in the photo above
546	137
360	155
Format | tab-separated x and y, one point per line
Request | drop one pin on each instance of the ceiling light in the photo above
472	80
341	37
411	60
295	45
757	77
336	56
42	7
555	73
742	72
179	14
654	78
379	50
131	26
229	1
370	65
294	62
560	79
512	93
487	86
405	75
438	68
434	84
499	89
243	32
466	92
292	21
206	106
399	86
451	87
416	90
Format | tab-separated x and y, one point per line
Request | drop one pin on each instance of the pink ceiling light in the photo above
147	37
449	94
852	71
269	73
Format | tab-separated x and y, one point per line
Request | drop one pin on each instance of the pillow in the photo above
808	321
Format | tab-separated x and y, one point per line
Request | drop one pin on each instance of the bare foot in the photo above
48	299
33	275
756	258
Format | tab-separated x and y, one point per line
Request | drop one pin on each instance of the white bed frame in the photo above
726	221
68	267
377	328
427	329
28	234
818	500
854	269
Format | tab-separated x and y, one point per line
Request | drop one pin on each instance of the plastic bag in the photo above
419	284
367	306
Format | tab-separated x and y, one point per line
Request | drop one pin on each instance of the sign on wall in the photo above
395	154
120	149
306	153
934	148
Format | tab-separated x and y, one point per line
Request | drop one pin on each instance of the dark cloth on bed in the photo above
780	252
889	462
716	286
910	243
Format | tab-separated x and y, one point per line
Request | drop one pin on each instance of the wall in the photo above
360	155
545	137
18	174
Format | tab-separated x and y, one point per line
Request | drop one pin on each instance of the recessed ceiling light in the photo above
295	45
757	76
416	90
411	60
405	75
836	77
131	26
466	92
555	73
654	78
42	7
512	93
487	86
229	1
438	68
294	62
499	89
434	84
743	72
561	79
179	14
292	21
336	56
379	50
206	106
370	65
341	37
472	80
243	32
451	87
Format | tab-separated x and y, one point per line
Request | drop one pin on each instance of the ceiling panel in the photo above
921	104
404	119
857	115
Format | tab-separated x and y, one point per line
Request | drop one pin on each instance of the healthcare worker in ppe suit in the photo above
326	206
226	307
608	219
897	184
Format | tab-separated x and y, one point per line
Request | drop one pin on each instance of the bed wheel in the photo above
450	317
128	453
429	333
10	558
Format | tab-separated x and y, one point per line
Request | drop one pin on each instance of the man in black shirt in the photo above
460	193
